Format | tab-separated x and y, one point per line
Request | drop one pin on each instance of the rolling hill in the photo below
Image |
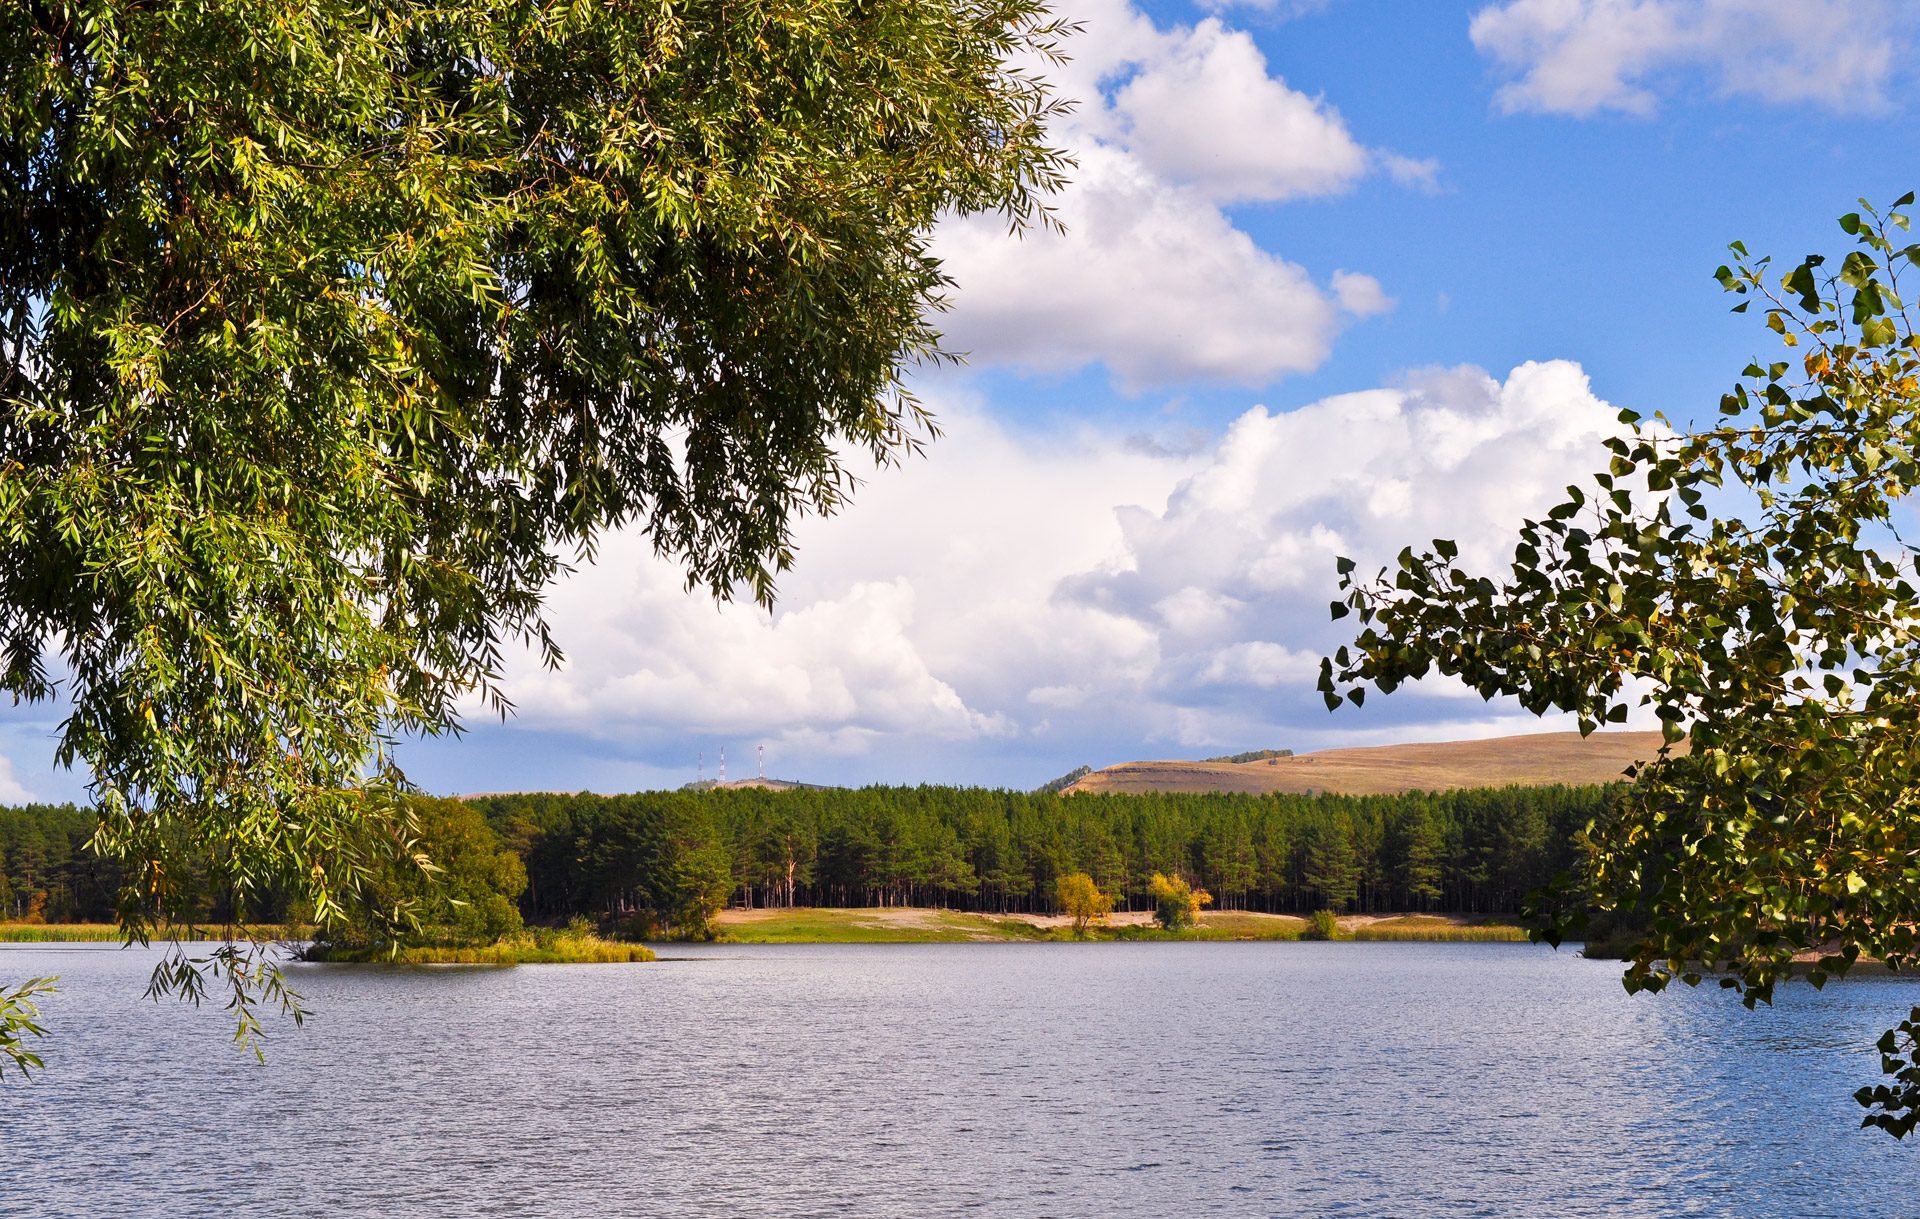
1540	758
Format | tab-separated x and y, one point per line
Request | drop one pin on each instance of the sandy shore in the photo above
910	919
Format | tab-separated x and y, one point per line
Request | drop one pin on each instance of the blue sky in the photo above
1339	276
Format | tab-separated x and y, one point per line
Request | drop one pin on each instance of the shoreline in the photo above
919	925
924	925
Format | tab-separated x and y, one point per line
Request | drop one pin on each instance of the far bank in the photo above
920	925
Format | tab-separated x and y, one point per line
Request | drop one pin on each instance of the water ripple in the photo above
1031	1080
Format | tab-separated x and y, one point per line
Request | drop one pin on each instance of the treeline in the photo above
46	872
675	856
656	861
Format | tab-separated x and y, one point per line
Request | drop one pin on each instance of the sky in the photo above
1337	276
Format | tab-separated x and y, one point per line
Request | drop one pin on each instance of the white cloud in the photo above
1579	57
11	790
1261	664
1360	295
838	668
1150	275
1149	278
1407	171
1012	590
1204	112
939	579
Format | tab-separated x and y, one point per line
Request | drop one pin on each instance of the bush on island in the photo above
449	885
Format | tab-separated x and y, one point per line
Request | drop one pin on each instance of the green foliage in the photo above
326	328
18	1016
1082	899
1780	644
658	858
1331	871
1255	755
1176	904
457	888
1002	851
1322	926
1896	1109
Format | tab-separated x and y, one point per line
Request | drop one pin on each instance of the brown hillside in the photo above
1540	758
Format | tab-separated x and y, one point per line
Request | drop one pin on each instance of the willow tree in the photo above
1748	580
333	328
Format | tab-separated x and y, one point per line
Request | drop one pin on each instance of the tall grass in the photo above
533	946
1444	934
100	933
57	933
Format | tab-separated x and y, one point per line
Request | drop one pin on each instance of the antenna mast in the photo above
700	767
763	761
723	763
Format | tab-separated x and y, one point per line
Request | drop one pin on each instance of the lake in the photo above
1305	1079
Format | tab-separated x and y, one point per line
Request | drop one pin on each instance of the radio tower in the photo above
700	771
763	761
723	763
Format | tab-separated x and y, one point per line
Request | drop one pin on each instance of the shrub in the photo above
1175	904
1082	899
1323	926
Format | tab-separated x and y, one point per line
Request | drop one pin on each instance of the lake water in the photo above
961	1079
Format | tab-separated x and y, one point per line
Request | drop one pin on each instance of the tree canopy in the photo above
331	330
1748	580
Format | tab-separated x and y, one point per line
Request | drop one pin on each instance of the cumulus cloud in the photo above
1579	57
1203	111
11	790
938	581
1021	593
1243	552
1150	275
1149	278
839	669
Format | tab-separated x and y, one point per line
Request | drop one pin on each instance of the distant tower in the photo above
700	774
763	761
723	763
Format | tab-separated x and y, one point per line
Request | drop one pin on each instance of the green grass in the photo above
536	946
809	925
1431	930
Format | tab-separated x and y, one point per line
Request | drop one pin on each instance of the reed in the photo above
1444	933
537	946
100	933
57	933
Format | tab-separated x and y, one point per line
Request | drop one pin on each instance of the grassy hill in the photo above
1547	757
